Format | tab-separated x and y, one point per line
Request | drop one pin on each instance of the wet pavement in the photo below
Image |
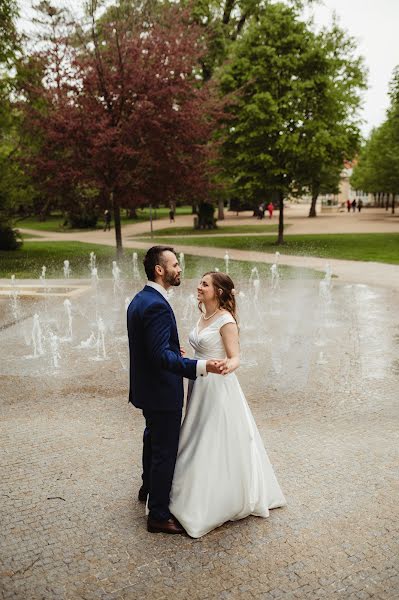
322	382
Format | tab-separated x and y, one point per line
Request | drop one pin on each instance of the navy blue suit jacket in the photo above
156	366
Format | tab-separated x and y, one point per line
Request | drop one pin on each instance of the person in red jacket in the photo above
270	208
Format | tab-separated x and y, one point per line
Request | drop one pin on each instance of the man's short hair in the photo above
154	257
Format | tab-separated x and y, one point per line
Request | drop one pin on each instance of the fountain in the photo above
226	262
136	272
275	290
189	307
67	269
255	281
275	279
182	263
94	286
321	360
100	342
77	331
116	275
55	355
92	262
325	287
14	296
89	343
68	310
37	337
42	277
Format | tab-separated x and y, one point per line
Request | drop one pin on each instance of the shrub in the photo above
10	239
82	220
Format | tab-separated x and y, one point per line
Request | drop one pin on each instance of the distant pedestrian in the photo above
348	205
107	220
261	211
270	208
171	216
354	204
359	204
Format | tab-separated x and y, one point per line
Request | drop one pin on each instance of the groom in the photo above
156	382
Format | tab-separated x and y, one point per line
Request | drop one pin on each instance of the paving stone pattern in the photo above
72	528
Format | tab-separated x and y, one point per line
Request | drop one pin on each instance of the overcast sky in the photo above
374	24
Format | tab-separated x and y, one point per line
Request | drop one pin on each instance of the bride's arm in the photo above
229	333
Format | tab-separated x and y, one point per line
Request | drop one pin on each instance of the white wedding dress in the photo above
222	470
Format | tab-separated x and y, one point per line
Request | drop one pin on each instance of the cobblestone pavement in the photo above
71	527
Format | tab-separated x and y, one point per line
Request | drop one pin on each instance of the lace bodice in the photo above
208	343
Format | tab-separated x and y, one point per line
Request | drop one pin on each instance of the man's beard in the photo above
171	279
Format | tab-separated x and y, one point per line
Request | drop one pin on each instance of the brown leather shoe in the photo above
169	526
143	493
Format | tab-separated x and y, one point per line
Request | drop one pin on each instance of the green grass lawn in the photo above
26	263
54	221
174	231
379	247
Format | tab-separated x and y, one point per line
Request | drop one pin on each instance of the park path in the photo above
369	221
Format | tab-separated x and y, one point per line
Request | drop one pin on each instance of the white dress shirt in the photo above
201	364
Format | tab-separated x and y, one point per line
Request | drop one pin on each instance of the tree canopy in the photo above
122	114
377	170
291	126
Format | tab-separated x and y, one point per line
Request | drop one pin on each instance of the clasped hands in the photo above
220	367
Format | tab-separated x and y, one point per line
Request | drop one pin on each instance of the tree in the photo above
223	22
9	41
377	170
123	114
365	176
330	132
8	170
278	130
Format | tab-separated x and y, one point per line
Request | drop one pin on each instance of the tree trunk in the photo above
386	201
220	210
393	203
132	213
280	239
117	221
315	195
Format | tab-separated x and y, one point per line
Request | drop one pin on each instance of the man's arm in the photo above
157	329
157	333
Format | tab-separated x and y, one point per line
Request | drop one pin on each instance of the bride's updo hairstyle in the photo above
225	292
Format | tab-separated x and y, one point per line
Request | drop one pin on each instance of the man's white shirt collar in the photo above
159	289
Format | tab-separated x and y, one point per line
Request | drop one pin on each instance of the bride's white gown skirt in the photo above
222	470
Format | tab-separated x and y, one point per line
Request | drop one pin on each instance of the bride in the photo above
222	470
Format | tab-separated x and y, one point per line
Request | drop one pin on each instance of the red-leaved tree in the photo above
123	113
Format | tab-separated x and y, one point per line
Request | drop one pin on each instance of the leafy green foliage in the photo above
9	238
378	167
293	120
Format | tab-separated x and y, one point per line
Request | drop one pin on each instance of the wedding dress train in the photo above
222	470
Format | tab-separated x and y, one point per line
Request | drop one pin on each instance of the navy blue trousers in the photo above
160	445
